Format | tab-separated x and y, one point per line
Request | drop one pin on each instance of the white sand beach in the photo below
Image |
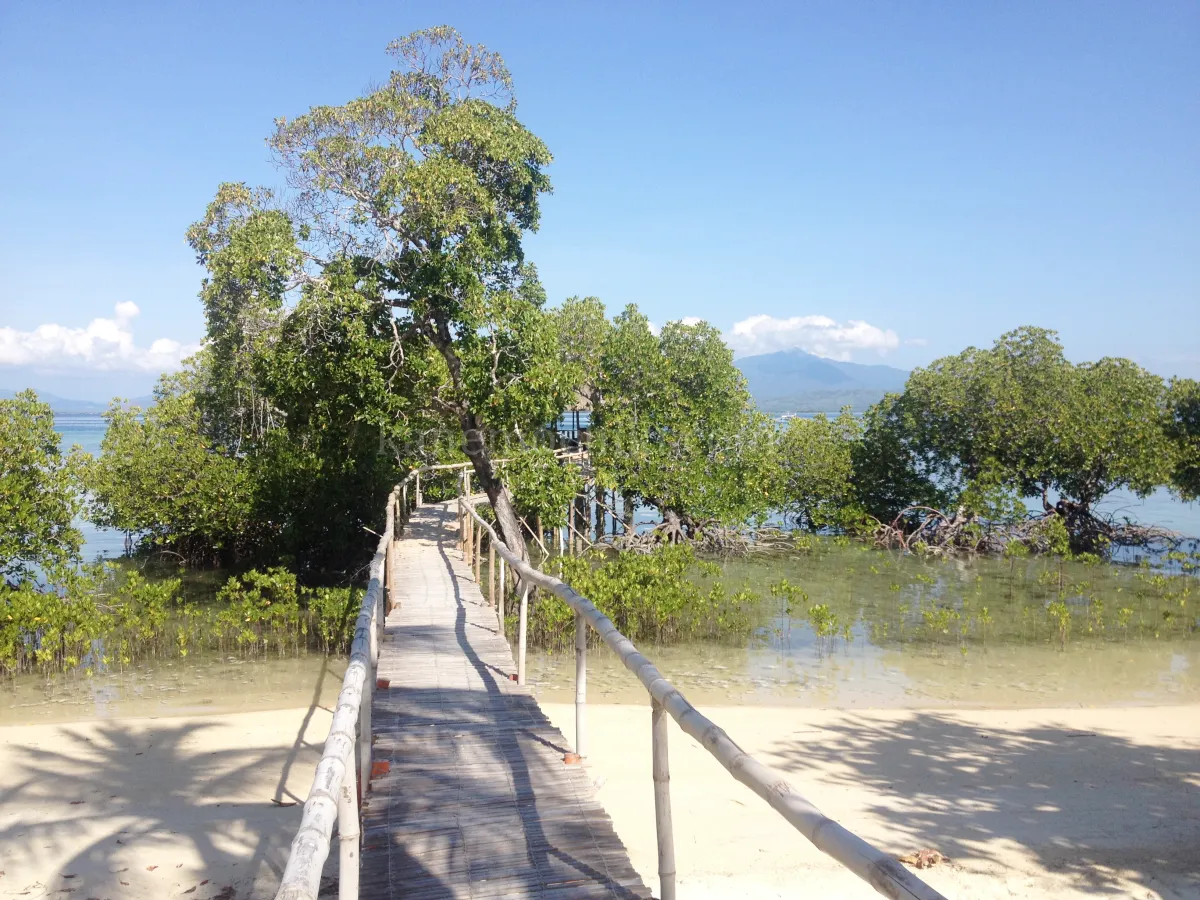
1026	803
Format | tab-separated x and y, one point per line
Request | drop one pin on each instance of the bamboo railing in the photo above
344	770
881	871
334	795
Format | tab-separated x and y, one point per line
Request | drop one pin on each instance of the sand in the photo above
165	807
1028	803
1042	803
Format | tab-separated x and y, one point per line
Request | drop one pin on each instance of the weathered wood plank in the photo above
477	801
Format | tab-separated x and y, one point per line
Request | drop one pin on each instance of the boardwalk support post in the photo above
661	772
581	630
522	630
503	594
491	572
364	717
476	553
348	833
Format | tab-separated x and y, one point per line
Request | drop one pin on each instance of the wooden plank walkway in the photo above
478	802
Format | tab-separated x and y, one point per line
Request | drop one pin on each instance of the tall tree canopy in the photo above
816	470
673	426
1018	417
1183	429
160	477
407	211
583	328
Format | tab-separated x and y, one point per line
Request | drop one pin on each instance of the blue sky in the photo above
938	173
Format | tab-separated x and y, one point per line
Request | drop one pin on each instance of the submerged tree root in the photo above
928	530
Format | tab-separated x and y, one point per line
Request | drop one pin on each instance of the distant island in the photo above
790	381
68	407
793	381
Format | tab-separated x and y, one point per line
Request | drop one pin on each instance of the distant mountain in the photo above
795	381
67	407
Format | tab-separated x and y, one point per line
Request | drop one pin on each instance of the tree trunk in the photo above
627	513
672	527
437	330
497	493
580	523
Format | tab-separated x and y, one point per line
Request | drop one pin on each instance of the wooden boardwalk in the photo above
477	802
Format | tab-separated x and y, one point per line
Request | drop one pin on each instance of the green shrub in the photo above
107	614
333	612
656	596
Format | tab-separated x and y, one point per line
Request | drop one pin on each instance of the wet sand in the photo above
1027	803
1030	803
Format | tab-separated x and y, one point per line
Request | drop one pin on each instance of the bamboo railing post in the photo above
364	715
522	629
503	594
348	833
477	553
491	572
661	773
387	580
581	631
418	488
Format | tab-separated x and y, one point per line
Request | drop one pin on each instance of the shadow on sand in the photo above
1104	811
167	807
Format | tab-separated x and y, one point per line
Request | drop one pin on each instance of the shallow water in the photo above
928	633
868	676
918	637
87	432
193	685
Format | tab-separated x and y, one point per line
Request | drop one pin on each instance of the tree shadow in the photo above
1100	809
165	807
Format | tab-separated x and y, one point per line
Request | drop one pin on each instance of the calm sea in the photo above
1160	508
87	432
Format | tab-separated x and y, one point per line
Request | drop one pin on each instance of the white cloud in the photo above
816	334
656	329
105	345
